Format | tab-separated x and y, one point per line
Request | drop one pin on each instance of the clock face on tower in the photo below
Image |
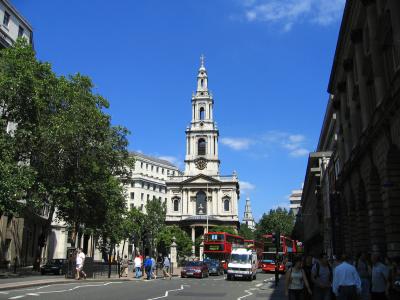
201	163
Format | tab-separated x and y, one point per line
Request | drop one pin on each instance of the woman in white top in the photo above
295	280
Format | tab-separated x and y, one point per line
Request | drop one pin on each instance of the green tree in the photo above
246	232
183	241
64	150
277	219
134	227
220	228
155	221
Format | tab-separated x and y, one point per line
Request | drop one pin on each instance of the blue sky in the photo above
268	63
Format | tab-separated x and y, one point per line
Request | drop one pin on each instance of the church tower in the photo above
248	215
202	133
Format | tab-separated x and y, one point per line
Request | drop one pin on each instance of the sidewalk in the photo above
37	280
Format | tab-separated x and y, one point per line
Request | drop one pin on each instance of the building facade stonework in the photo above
359	190
202	198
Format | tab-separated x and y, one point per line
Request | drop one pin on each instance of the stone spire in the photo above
248	215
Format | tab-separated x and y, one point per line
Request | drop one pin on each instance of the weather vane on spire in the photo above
202	57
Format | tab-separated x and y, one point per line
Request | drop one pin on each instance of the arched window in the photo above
202	83
176	204
226	204
201	203
202	113
201	147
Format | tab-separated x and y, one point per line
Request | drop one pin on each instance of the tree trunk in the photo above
43	238
109	260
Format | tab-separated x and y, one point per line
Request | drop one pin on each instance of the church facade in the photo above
202	198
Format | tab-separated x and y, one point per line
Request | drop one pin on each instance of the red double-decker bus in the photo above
218	245
257	246
286	250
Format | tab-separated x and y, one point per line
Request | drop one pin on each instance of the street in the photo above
177	288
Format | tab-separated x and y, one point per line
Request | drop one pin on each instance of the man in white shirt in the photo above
346	281
80	260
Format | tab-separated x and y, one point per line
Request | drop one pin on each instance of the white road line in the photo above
258	285
65	290
249	293
167	292
219	279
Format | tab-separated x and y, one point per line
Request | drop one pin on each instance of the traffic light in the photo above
276	239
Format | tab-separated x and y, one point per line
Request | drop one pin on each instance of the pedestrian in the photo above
321	276
295	280
160	261
395	280
307	267
80	261
147	267
380	281
124	266
138	266
364	270
153	268
166	267
346	283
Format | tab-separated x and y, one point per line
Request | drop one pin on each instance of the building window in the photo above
176	204
6	19
202	113
157	169
147	166
162	170
201	147
159	199
159	188
152	168
148	197
132	206
201	203
132	195
226	204
20	31
142	184
141	165
132	184
142	196
141	207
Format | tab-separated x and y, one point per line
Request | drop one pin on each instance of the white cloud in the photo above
299	152
286	13
294	144
237	143
246	186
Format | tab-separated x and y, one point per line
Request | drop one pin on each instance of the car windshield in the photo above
240	258
212	263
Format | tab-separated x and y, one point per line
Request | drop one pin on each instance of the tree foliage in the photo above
183	241
277	219
155	221
221	228
63	152
246	232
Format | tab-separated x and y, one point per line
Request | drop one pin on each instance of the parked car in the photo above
195	269
215	267
54	266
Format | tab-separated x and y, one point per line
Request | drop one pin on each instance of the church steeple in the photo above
202	133
202	80
248	215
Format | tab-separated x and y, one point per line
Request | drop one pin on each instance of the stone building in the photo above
148	180
13	25
201	197
295	201
362	183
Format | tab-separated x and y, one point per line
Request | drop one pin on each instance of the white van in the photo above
242	264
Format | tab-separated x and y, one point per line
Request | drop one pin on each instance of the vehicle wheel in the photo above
42	272
255	276
202	275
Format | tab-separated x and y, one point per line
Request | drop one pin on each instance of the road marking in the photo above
219	279
249	293
259	284
167	292
65	290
